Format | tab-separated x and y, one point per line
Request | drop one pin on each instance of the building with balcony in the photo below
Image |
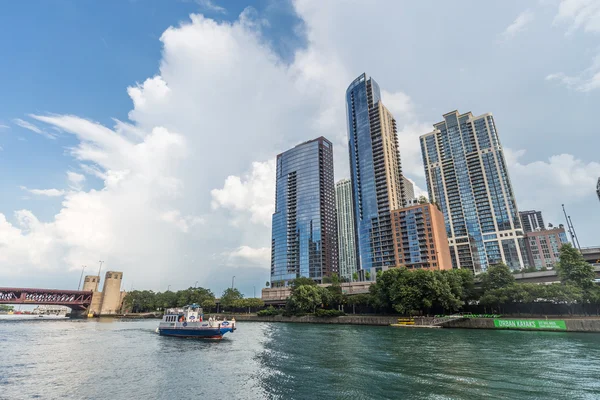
542	246
375	172
345	224
531	220
420	239
304	229
467	177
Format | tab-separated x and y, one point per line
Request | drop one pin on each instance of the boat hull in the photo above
213	333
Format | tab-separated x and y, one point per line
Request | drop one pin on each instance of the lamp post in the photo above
232	281
168	287
81	277
195	284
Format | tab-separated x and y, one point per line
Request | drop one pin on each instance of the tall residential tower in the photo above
375	172
345	223
304	232
467	176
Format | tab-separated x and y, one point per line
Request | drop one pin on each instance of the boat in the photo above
188	322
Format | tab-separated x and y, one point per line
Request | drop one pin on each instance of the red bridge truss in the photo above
75	299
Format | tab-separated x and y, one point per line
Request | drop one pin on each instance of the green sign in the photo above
530	324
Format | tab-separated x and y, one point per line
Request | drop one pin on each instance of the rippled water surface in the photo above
127	360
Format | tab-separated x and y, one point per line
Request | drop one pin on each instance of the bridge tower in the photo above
111	293
92	282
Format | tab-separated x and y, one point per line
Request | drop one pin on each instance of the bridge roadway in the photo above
75	299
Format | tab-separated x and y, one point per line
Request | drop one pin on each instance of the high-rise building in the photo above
375	172
345	226
467	177
409	190
543	246
532	221
420	238
304	232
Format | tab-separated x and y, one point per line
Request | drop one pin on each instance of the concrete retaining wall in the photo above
380	320
573	325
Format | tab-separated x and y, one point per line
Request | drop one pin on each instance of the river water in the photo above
127	360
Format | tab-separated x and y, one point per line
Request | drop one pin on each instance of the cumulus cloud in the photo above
254	193
547	184
29	126
519	24
259	256
581	14
45	192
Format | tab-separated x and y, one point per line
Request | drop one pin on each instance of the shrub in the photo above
329	313
267	312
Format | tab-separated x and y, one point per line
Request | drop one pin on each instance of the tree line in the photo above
426	292
232	299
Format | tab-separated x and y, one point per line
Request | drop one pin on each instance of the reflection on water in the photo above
125	360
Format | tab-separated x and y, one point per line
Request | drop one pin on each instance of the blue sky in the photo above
184	190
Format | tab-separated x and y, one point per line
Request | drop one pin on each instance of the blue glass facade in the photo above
304	231
375	172
467	176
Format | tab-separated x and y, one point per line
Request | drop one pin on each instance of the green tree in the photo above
302	281
208	305
355	277
5	308
230	297
573	269
497	276
423	200
253	303
368	275
305	298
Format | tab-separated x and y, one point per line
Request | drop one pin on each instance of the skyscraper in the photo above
345	225
531	220
409	189
304	231
466	175
375	172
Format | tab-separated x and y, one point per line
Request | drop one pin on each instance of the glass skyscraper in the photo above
304	231
375	172
345	221
467	176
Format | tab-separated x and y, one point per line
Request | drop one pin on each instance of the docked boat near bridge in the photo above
189	322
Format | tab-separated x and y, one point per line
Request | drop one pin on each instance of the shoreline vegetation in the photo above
411	293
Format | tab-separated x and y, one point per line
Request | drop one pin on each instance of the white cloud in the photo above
75	179
254	193
258	256
545	185
45	192
33	128
581	14
3	126
183	223
208	5
519	24
585	81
